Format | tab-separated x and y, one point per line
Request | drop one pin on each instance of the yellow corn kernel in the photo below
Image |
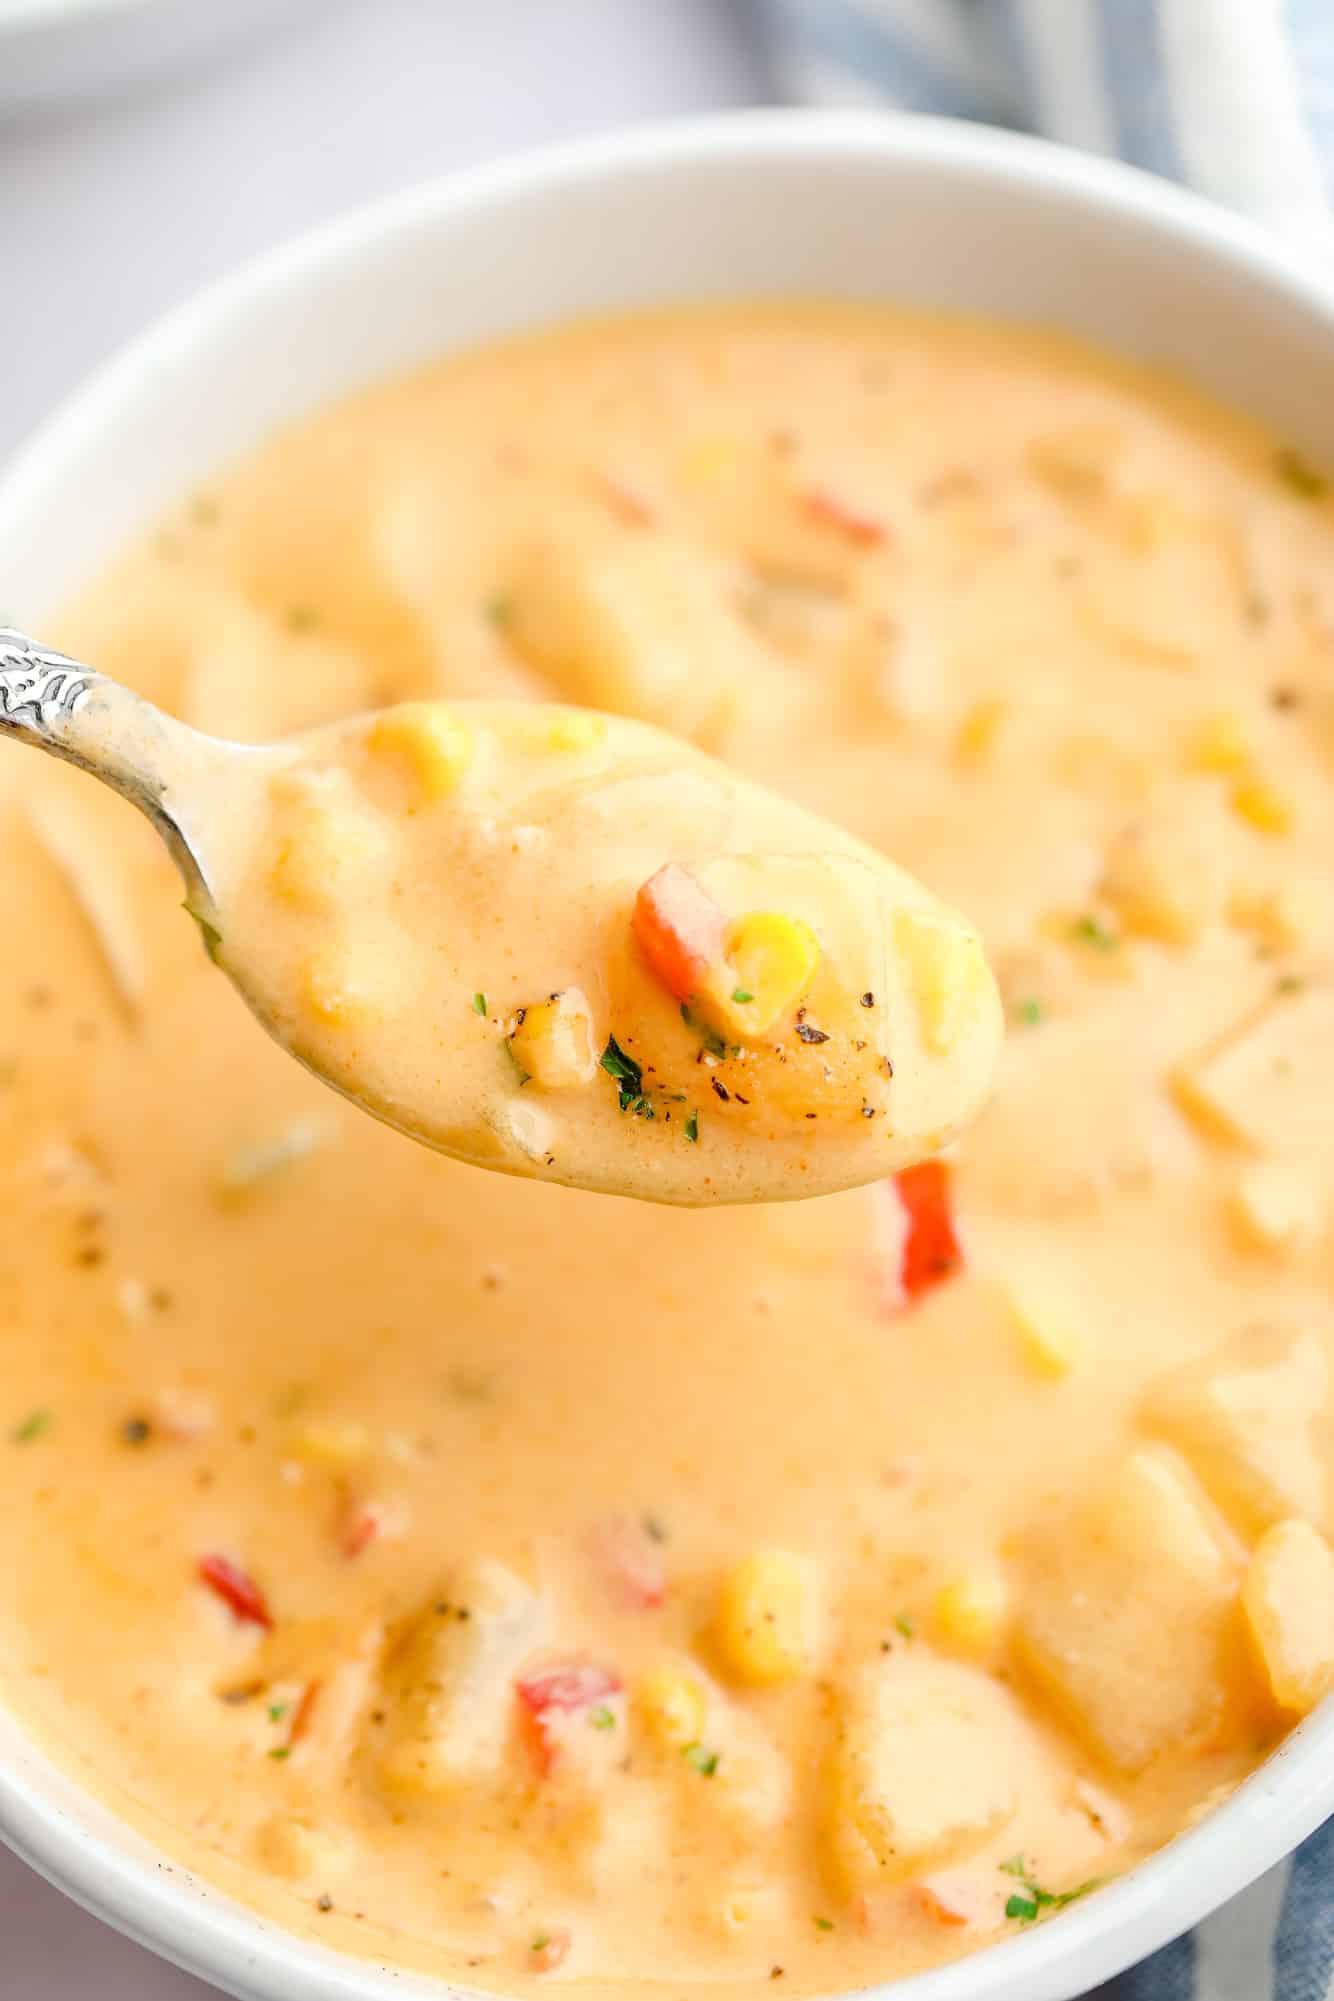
771	960
1219	744
709	459
1047	1341
979	730
315	857
436	744
763	1618
1277	1207
332	992
332	1444
553	1041
576	729
1161	884
970	1610
1262	805
671	1706
1288	1597
949	974
745	1909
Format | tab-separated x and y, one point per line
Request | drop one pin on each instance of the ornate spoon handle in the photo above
62	707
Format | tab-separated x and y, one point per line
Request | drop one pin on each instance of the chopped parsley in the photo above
1299	476
741	997
500	609
601	1718
479	1003
823	1924
1090	930
1029	1012
541	1942
692	1126
277	1711
629	1079
903	1622
713	1042
704	1762
32	1427
1030	1901
281	1751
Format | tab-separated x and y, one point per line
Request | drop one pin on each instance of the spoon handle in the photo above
60	706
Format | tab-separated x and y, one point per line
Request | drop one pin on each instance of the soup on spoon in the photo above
561	944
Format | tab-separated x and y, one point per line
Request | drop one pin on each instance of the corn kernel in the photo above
671	1706
771	960
1219	744
435	743
576	729
1288	1598
949	974
762	1618
979	730
1277	1207
970	1610
1262	806
1048	1342
316	855
333	1444
1280	918
553	1041
743	1909
333	993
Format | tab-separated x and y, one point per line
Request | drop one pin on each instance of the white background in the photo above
111	213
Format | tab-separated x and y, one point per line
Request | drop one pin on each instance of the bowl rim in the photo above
158	1902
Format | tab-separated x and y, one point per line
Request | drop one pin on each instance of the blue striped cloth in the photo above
1236	98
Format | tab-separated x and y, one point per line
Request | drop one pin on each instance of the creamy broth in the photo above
565	945
526	1584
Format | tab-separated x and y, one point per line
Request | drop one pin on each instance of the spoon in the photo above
552	942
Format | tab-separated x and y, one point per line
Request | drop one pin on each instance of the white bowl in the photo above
52	49
783	203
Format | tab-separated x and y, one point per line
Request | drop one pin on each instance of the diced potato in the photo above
670	1703
637	625
1259	1085
1162	883
1262	805
971	1609
922	1769
449	1682
436	745
764	1618
1248	1418
1289	1601
553	1041
1049	1342
771	961
1277	1207
1127	1610
951	981
1219	744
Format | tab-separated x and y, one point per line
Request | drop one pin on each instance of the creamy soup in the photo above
531	1585
566	945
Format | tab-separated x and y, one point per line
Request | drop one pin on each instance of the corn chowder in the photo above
461	914
494	1578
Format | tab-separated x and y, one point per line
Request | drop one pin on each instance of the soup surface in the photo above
531	1585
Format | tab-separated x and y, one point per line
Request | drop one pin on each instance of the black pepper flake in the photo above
868	1111
324	1903
90	1256
136	1431
775	1973
720	1089
808	1033
868	999
1284	698
740	1100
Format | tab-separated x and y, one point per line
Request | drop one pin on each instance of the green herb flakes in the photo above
692	1126
905	1624
1030	1901
741	997
704	1762
601	1718
1029	1012
713	1043
1090	930
277	1711
281	1751
499	609
301	618
33	1426
479	1003
629	1079
823	1924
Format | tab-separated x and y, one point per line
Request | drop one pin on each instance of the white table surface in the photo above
112	212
